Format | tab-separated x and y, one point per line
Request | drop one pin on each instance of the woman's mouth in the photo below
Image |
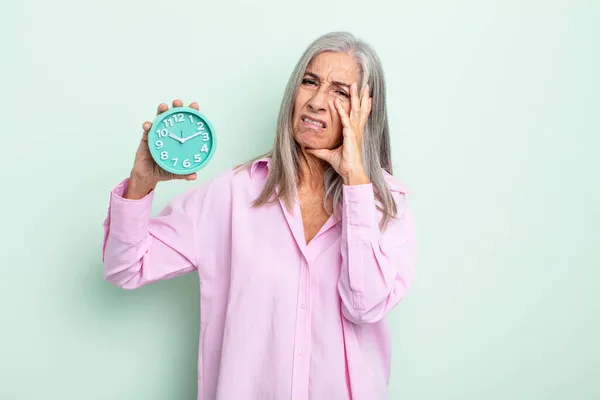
313	122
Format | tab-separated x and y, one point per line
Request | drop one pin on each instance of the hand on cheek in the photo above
347	158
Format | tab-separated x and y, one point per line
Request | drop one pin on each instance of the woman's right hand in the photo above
146	173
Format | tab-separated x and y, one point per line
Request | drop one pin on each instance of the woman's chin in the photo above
313	143
312	146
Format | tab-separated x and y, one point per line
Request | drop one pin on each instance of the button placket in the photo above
302	335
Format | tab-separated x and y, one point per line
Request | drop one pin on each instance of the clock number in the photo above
162	133
197	158
186	163
175	161
168	122
179	118
205	136
191	119
159	144
200	125
164	155
204	149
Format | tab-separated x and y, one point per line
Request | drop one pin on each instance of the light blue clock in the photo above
182	140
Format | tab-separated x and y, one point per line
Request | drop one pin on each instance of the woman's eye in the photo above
308	82
341	92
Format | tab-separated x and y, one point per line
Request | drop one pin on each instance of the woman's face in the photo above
316	123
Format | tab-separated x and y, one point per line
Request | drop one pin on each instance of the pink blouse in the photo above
279	319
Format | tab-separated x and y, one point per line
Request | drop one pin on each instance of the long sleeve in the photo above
377	267
139	249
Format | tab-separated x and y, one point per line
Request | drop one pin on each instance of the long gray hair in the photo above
284	170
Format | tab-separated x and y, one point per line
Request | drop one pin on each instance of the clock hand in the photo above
192	136
180	140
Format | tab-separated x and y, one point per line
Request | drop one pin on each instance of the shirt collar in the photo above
264	162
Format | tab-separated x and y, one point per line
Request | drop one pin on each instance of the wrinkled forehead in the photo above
335	67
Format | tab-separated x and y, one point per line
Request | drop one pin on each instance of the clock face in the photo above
181	141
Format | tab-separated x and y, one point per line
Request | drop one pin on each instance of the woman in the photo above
300	253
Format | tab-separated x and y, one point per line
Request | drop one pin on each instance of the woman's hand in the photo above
347	158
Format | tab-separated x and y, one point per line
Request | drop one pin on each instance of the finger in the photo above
177	103
146	126
333	104
342	113
363	100
194	105
346	133
189	177
354	101
332	109
365	107
162	107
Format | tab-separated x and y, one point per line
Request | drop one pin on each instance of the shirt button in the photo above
353	206
303	306
302	352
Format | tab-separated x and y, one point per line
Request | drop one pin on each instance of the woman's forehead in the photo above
331	66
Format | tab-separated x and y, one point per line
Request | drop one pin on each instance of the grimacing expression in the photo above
316	124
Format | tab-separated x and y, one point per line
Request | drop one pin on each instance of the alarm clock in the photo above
182	140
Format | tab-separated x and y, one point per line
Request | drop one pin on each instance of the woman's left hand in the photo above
347	158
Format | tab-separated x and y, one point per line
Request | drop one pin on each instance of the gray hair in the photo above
284	170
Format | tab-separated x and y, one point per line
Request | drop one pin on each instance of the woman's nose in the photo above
319	101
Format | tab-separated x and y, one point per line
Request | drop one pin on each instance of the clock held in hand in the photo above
181	140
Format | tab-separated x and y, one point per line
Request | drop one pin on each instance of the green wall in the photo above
494	109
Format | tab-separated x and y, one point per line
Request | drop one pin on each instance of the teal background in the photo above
494	111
